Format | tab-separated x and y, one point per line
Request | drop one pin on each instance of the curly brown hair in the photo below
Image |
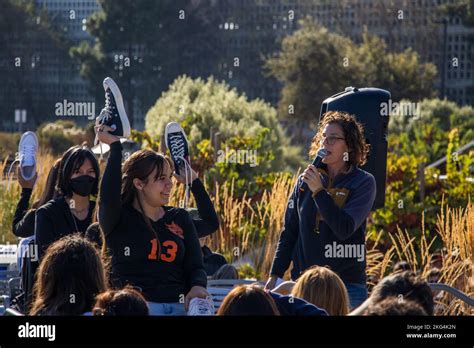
353	135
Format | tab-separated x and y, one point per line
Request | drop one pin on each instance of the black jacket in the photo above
329	228
24	220
55	220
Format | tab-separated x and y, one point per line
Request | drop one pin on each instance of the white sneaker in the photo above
27	150
201	306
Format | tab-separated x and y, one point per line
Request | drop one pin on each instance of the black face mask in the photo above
82	185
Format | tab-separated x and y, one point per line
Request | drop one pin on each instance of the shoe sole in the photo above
26	134
109	83
174	127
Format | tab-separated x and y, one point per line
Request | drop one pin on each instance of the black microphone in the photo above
316	162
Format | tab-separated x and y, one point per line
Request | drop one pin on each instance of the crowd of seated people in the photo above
72	279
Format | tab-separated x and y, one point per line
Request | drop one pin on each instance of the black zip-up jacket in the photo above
164	276
24	220
329	228
55	220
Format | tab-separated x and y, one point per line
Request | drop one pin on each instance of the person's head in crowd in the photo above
248	300
78	173
323	288
340	134
406	285
70	275
393	306
433	275
146	182
146	178
401	266
127	301
226	272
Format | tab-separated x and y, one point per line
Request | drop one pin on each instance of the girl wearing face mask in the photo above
153	247
73	210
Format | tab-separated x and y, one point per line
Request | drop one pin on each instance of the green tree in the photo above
202	107
460	8
314	64
145	44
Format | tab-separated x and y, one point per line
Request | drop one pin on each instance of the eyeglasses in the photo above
331	139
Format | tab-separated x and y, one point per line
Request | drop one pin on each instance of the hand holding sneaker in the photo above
28	184
181	178
104	134
196	291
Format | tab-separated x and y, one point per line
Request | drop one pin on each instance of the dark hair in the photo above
49	192
126	301
72	160
401	266
140	165
407	284
226	272
71	266
353	135
248	300
392	306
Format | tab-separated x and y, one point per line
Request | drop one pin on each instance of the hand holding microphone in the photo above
311	177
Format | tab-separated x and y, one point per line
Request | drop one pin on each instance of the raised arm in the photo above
24	221
110	185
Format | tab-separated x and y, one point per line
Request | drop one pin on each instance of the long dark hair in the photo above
71	266
73	159
140	165
49	192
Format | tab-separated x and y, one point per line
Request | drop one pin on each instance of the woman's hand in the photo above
104	136
196	291
312	179
271	282
181	177
29	184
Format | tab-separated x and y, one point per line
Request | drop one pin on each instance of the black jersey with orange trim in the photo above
164	269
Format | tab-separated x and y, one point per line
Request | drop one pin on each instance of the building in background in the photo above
250	30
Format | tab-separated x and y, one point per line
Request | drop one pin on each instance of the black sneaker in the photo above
113	114
177	144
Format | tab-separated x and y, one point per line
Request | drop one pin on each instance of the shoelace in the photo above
177	147
27	151
204	306
104	116
188	175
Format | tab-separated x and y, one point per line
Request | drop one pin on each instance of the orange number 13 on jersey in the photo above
170	253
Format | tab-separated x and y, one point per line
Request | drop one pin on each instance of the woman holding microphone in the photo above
325	219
